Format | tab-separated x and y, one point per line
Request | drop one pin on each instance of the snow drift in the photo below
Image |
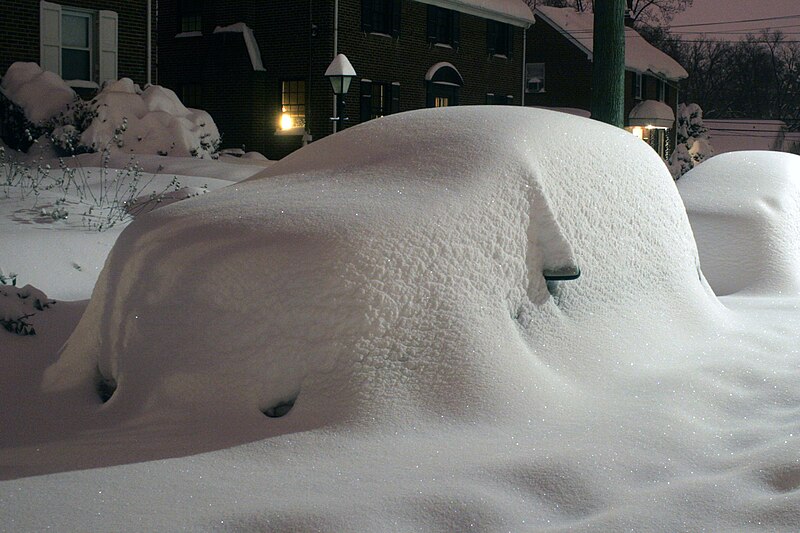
744	208
379	296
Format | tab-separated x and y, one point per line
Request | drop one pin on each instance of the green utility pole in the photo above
608	65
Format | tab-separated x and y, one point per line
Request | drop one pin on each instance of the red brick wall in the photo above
19	33
290	51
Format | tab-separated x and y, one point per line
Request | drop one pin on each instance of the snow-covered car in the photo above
744	208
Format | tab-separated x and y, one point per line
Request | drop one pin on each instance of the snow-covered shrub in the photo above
17	305
34	102
30	99
693	145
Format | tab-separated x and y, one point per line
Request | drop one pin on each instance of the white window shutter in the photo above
50	37
108	45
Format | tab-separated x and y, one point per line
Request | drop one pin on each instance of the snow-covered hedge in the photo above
121	118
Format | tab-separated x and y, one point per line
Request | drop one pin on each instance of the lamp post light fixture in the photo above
340	72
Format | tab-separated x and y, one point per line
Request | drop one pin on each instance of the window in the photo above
79	45
443	26
637	85
190	16
379	99
534	78
381	16
76	50
441	101
192	95
293	105
499	99
499	38
662	92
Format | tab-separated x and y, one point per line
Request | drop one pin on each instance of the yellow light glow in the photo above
286	122
638	131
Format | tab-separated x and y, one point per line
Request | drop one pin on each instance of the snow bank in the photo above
744	208
154	120
382	289
374	274
41	94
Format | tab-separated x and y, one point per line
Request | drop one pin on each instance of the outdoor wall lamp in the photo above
340	73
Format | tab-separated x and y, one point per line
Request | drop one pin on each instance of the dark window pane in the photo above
75	64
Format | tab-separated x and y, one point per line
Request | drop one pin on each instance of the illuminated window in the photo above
441	101
293	104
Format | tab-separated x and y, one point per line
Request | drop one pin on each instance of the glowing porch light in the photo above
638	131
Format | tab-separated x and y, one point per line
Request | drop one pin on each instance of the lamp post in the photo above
340	72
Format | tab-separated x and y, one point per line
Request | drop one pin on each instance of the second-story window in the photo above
190	19
381	16
662	91
499	38
443	26
637	85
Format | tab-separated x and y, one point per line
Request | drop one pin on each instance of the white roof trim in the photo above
442	64
514	12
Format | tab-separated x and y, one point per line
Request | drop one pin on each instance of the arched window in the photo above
443	82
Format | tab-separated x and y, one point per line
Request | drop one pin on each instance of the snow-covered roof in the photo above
733	135
652	113
515	12
249	41
640	56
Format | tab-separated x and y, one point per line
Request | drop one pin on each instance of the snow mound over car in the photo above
391	272
744	208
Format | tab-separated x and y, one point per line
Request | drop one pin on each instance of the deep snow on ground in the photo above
388	281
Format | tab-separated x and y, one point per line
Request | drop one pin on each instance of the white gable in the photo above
640	56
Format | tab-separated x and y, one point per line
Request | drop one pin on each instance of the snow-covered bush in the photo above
693	145
17	305
35	103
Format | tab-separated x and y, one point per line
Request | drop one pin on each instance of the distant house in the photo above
260	71
558	73
86	42
733	135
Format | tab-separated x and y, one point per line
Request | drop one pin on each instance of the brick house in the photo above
86	42
558	74
260	72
